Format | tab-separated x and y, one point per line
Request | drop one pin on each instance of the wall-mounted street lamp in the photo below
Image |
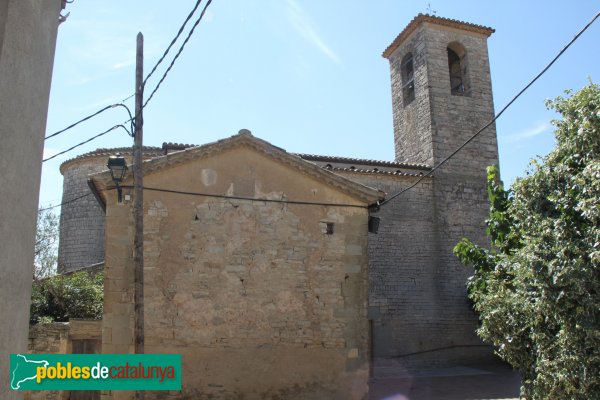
118	168
373	220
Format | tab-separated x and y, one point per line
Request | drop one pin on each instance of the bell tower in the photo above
441	96
442	93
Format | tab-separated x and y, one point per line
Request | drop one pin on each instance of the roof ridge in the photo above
374	171
382	163
355	189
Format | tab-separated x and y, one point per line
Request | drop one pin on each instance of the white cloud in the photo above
537	130
303	24
97	47
123	64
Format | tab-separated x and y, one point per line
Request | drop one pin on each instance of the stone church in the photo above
259	265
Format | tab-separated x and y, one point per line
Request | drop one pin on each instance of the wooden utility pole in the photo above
138	202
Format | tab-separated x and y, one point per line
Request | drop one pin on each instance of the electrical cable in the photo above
166	52
66	202
91	116
86	141
222	196
78	122
178	53
127	98
495	117
131	118
434	350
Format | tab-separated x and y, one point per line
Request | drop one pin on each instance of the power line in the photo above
560	53
178	53
127	98
91	116
218	196
223	196
66	202
86	141
78	122
173	41
131	118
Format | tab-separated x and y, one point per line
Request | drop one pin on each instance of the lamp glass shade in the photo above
118	167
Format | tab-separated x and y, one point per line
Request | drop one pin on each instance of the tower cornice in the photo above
447	22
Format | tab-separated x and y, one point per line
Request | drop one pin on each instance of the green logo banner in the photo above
95	371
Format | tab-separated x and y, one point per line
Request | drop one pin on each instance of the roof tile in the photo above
421	18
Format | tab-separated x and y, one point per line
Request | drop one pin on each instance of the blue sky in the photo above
307	76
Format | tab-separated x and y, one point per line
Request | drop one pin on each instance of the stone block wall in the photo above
412	120
418	308
264	296
50	338
437	122
82	221
57	338
426	131
455	118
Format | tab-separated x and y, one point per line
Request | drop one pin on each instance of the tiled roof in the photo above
149	151
175	146
421	18
373	171
361	161
357	165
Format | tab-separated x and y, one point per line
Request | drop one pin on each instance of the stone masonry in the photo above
59	338
264	300
82	221
426	131
417	305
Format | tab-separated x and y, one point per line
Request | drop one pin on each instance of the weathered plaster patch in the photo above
208	176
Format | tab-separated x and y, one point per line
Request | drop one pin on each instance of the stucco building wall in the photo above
28	31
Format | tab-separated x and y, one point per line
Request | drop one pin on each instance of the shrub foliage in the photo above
537	291
60	297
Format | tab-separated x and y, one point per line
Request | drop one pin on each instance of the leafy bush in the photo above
537	291
60	297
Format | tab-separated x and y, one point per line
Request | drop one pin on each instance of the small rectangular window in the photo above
327	228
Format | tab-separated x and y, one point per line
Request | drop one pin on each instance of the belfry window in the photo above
408	79
457	68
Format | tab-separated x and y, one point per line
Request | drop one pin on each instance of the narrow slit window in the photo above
408	79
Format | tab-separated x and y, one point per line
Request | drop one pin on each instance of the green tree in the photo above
60	297
537	291
46	243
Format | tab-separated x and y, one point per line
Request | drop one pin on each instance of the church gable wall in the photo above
262	299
